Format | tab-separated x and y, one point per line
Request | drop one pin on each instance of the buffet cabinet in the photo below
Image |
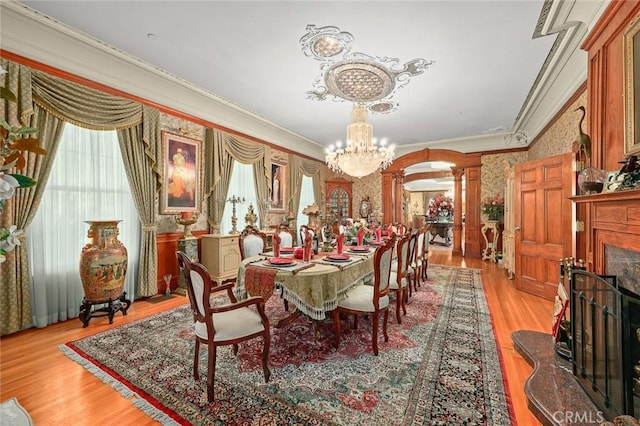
221	255
339	199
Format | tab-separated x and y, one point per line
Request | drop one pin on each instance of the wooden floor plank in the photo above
58	391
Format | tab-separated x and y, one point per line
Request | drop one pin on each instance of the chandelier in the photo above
370	82
360	157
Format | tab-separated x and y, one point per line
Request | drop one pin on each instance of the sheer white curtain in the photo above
242	186
87	182
306	198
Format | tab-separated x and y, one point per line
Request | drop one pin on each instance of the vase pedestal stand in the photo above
491	229
120	304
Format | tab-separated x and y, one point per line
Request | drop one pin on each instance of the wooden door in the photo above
543	222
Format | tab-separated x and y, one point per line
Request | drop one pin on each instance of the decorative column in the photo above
188	244
387	198
457	214
398	198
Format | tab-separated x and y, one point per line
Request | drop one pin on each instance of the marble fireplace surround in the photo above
613	247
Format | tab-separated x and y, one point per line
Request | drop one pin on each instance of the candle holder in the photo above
234	220
186	220
250	218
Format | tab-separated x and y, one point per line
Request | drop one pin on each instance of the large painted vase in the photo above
103	262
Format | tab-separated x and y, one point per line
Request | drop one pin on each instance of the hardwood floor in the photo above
57	391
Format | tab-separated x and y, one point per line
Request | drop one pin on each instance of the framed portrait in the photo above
182	174
632	88
278	186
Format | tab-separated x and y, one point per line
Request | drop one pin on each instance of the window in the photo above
242	186
87	182
306	198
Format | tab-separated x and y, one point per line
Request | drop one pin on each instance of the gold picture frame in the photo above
182	174
278	186
631	56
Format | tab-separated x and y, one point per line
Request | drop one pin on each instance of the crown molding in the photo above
28	33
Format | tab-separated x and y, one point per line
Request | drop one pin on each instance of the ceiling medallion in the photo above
519	137
325	43
355	77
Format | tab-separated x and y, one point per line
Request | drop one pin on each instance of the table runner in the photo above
260	281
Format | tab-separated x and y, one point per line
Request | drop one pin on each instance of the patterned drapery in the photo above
221	149
46	102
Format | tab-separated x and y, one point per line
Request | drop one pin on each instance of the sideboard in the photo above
220	254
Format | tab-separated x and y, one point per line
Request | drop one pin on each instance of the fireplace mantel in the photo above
608	196
612	218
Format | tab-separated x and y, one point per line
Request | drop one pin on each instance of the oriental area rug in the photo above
441	366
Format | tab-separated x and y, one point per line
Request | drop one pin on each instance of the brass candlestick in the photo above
250	218
234	220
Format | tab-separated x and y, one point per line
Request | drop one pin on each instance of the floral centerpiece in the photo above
14	140
440	207
493	207
351	234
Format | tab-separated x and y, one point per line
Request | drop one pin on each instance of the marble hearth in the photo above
553	393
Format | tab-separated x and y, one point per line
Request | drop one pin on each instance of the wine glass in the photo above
167	281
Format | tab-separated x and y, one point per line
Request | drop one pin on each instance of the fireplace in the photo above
605	328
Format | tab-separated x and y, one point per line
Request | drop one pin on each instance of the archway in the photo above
467	165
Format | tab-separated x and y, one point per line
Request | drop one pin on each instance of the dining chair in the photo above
370	299
252	242
417	258
411	272
398	281
303	231
425	253
229	324
326	233
287	236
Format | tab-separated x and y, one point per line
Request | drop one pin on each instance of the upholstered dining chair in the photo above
229	324
287	236
303	231
252	242
425	253
398	281
411	271
417	258
370	299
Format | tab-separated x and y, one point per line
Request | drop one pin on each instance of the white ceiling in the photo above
480	88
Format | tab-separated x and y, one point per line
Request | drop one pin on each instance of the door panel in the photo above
544	217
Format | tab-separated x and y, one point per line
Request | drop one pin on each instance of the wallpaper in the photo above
492	172
559	138
369	186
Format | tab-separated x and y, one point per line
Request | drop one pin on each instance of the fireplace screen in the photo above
605	320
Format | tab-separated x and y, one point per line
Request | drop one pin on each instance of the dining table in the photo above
314	287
